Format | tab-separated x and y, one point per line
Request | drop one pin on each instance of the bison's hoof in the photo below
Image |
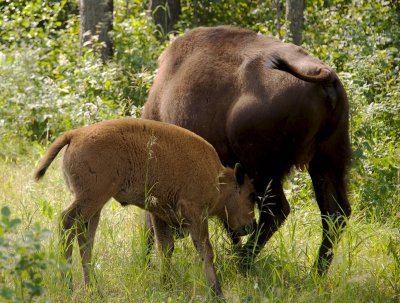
245	259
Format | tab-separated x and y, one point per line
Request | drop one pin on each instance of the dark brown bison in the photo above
268	105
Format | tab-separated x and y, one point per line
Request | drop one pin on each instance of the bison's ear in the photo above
239	173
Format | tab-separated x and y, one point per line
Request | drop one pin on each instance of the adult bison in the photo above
268	105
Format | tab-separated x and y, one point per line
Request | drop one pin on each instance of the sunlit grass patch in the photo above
365	267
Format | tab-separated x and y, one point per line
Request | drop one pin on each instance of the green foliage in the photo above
136	50
258	15
46	88
29	23
22	260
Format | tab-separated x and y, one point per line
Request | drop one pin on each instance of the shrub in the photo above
46	88
22	260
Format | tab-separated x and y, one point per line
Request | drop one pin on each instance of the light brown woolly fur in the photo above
167	170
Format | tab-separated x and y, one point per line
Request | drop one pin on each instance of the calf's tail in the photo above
51	153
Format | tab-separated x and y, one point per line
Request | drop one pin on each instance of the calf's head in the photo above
237	196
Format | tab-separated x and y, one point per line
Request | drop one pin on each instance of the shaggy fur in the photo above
167	170
268	105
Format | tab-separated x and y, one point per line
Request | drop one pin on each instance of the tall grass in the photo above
365	268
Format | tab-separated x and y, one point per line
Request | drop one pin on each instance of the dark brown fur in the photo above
268	105
167	170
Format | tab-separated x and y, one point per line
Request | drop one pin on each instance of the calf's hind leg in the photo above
67	235
80	219
86	233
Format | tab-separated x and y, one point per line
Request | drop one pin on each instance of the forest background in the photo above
48	86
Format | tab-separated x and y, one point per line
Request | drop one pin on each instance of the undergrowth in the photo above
365	268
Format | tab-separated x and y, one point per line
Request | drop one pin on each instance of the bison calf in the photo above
167	170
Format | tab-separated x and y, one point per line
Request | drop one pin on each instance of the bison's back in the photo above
196	81
232	87
137	154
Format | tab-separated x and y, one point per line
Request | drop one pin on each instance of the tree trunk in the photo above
295	19
278	6
96	20
165	14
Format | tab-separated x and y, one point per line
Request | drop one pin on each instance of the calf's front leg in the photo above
199	233
165	242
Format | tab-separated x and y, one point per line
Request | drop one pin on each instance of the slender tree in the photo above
278	6
295	19
97	20
165	14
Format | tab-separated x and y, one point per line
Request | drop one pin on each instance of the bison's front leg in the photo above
165	243
274	208
199	233
149	235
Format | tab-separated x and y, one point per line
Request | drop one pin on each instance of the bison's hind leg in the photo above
328	174
199	233
80	219
67	235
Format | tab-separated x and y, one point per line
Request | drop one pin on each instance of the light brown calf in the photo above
167	170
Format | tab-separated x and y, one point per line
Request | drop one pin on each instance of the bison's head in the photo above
238	196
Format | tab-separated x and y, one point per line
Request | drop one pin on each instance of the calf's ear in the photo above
239	173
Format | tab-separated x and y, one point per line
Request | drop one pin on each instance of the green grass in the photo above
365	268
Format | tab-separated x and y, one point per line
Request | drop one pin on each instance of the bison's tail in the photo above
296	61
51	153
